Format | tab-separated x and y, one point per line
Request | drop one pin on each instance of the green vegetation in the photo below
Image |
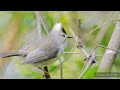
18	28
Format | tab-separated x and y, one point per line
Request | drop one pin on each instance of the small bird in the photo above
44	54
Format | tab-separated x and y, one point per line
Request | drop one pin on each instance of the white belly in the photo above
45	63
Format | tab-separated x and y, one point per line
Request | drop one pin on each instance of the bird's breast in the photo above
45	63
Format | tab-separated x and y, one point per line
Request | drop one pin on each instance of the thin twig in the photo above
61	68
79	53
43	23
107	48
99	55
104	29
91	31
72	53
66	59
39	27
90	58
79	45
88	64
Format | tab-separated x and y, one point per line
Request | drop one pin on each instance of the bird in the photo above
46	52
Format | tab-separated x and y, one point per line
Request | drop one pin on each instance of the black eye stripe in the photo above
64	30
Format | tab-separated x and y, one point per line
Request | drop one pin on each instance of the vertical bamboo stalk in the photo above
110	55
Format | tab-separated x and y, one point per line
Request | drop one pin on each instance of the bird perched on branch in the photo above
44	54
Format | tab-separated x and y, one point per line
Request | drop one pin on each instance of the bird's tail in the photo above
9	54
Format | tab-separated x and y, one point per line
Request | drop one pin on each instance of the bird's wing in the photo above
42	54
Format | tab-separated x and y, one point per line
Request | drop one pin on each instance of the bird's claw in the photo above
46	75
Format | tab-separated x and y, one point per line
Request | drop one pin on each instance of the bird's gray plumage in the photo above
9	54
44	52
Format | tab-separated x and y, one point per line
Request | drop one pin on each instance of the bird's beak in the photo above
69	37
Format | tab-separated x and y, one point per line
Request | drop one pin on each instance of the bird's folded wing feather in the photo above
43	53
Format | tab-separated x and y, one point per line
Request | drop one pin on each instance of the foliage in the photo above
71	67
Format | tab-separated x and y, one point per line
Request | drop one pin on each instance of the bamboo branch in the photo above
61	68
43	23
39	26
88	64
90	58
110	55
79	44
100	26
72	52
79	53
40	22
65	59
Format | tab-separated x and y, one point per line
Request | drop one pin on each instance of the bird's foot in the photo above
46	75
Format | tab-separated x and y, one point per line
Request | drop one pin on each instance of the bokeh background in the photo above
17	28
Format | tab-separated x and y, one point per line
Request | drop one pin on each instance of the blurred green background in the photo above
19	27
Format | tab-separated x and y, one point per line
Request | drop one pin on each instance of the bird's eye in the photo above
63	35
